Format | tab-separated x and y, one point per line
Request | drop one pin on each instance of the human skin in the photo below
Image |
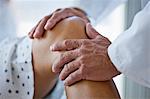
49	21
84	51
43	59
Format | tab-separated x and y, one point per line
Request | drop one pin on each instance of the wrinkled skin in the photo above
83	59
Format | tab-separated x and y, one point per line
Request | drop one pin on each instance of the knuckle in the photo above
62	57
72	53
66	42
65	56
58	9
73	64
67	68
82	51
85	42
72	76
82	60
83	72
55	15
106	39
77	43
83	67
46	17
67	9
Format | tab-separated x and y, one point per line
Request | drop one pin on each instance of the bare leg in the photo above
42	57
70	28
92	90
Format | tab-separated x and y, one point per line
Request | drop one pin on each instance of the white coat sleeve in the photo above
130	52
98	9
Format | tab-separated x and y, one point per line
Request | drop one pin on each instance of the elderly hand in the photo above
84	59
48	22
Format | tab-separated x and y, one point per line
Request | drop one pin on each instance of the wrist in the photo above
116	71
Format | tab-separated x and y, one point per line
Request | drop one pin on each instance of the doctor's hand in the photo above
48	22
84	59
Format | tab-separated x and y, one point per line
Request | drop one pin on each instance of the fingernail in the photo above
34	35
90	26
51	48
65	83
53	70
47	26
29	35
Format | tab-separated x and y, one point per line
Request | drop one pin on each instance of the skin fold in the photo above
43	59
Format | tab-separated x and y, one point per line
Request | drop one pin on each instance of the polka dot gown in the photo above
16	72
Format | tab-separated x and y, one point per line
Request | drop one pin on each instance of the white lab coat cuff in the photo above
123	66
115	58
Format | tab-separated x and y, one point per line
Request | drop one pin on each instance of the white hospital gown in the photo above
16	72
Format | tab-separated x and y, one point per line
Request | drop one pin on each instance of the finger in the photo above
62	14
98	40
68	69
97	37
66	45
40	28
78	9
51	18
101	40
91	32
57	9
31	33
56	17
73	78
64	59
80	13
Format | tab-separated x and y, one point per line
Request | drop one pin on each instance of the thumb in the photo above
91	32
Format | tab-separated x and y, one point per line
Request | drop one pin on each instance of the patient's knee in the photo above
43	58
69	28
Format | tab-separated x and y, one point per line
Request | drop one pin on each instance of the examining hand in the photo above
84	59
48	22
